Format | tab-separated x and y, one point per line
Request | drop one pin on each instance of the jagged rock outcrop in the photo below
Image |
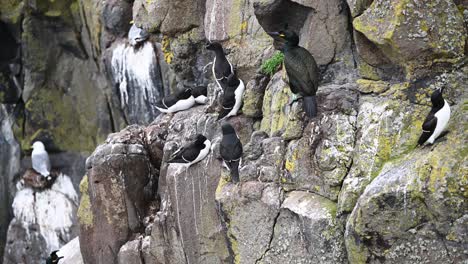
44	220
71	252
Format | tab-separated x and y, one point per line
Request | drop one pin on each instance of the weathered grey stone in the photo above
250	210
116	16
322	25
119	173
130	253
280	118
358	6
44	220
321	158
387	129
409	211
263	158
71	252
168	17
9	166
415	32
253	96
305	231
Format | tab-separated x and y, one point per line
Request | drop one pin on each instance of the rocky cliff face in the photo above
349	186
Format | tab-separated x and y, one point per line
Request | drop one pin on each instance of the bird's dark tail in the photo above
423	138
310	106
234	168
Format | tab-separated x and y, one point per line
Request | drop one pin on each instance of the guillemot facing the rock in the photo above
176	102
222	68
437	119
193	152
301	67
232	97
231	151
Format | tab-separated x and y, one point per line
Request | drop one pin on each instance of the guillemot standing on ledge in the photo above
222	68
301	67
232	97
437	119
192	152
231	151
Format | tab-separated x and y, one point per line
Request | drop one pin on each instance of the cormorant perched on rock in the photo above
301	67
222	68
193	152
437	119
231	151
232	97
176	102
40	159
53	258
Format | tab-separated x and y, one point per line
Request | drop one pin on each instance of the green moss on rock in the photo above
85	214
11	10
52	114
272	65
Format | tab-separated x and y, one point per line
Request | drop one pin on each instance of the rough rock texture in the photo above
411	33
120	176
9	165
346	186
410	211
43	221
71	252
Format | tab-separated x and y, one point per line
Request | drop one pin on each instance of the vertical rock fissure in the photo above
140	250
346	8
271	237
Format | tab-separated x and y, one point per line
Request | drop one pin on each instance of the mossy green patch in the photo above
52	114
85	214
11	10
273	64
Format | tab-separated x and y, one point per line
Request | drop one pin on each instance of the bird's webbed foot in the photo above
295	98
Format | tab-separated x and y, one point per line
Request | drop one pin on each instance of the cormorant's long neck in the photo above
287	47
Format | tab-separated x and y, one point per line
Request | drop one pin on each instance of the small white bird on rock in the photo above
40	159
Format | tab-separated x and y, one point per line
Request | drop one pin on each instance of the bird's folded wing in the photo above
429	124
298	78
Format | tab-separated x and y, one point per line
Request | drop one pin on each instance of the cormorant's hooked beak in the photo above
274	34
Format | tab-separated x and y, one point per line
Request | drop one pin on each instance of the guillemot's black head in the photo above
185	94
200	139
436	98
288	37
227	129
213	46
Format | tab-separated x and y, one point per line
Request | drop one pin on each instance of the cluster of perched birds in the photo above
303	74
